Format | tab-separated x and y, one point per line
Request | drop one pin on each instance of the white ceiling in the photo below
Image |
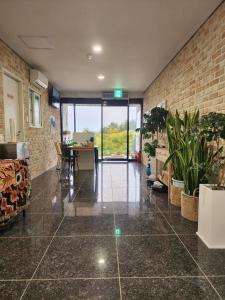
138	37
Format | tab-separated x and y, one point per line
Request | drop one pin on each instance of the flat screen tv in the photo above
54	97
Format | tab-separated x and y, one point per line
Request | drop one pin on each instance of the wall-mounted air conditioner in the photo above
39	79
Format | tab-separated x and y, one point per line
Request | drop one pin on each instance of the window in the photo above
35	119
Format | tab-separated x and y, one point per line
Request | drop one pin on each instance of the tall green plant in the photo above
190	155
196	161
213	127
174	128
154	122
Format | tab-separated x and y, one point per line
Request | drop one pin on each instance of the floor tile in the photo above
180	224
120	194
85	249
87	193
85	207
20	256
169	289
161	200
151	223
74	289
33	225
52	203
134	208
154	256
87	225
80	257
219	284
106	195
212	261
11	290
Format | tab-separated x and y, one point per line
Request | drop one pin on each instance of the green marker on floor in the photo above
117	232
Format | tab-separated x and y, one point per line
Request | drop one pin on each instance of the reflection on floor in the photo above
105	236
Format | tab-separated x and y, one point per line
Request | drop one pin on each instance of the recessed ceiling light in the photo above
101	77
97	48
101	261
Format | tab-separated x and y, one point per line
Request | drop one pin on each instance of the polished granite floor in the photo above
105	236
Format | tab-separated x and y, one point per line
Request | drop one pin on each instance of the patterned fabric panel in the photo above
7	174
15	196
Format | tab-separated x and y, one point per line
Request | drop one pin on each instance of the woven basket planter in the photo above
175	195
165	177
189	207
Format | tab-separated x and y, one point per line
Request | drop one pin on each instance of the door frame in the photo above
20	96
103	102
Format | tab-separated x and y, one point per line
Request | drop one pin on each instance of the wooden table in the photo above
87	156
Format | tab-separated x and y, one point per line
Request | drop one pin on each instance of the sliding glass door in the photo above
115	133
88	120
134	123
112	123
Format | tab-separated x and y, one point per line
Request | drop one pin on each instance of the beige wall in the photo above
195	78
41	140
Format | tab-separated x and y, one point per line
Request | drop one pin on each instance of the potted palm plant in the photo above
211	226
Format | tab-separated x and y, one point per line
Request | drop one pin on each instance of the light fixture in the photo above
101	261
101	77
97	48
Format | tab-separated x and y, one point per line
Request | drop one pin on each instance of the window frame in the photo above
32	123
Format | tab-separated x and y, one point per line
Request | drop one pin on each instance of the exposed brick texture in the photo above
195	78
41	140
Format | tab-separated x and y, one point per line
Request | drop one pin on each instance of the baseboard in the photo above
43	172
208	245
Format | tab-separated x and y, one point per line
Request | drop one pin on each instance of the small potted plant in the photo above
211	226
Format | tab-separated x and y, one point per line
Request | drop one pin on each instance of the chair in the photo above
62	156
71	156
59	155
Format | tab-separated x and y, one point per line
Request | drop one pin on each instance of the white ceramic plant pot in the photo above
178	183
211	218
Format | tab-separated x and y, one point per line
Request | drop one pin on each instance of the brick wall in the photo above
195	78
41	140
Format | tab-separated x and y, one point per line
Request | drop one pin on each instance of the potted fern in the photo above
211	226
